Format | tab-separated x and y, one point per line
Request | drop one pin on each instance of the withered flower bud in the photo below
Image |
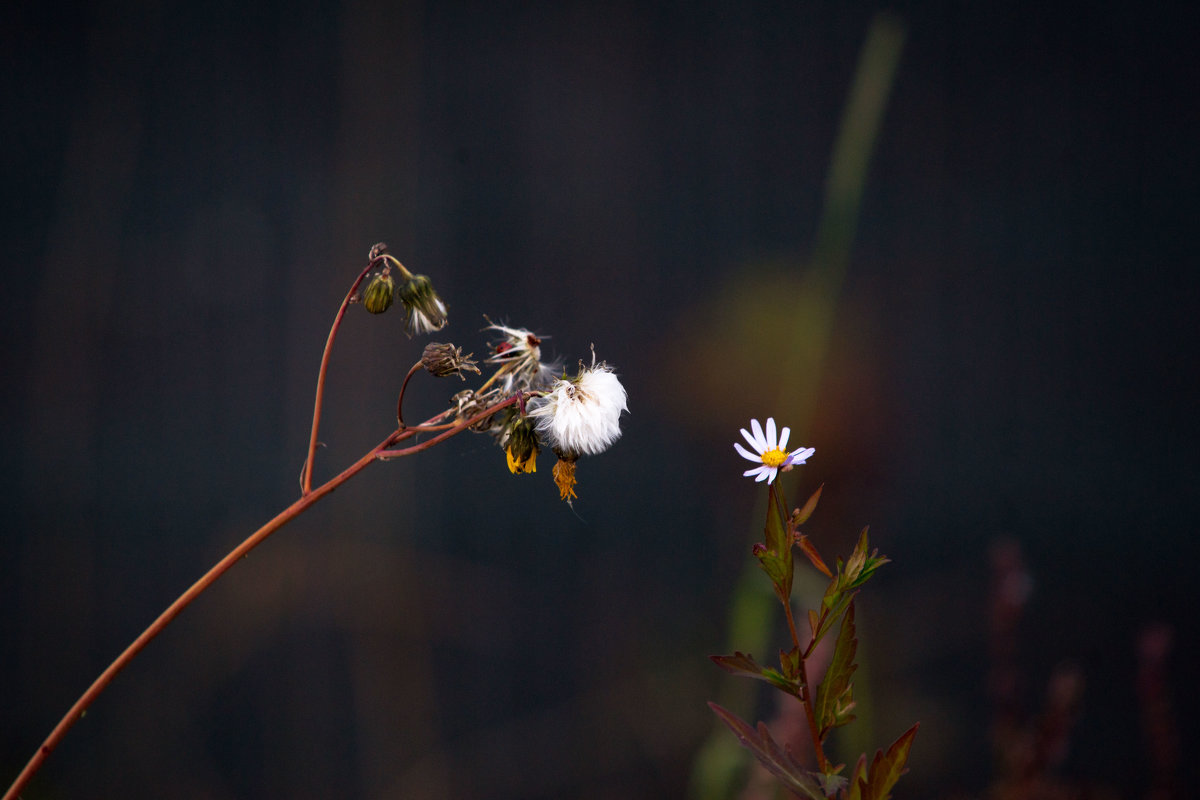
564	477
377	249
442	360
426	311
521	446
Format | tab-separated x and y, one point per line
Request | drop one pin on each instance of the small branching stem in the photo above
309	498
387	455
400	400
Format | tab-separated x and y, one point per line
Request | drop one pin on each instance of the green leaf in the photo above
886	769
739	664
776	557
835	695
745	666
778	760
860	566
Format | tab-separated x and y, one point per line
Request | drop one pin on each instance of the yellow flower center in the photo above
774	458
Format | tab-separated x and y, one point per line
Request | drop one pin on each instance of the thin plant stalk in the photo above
380	451
391	261
306	476
779	506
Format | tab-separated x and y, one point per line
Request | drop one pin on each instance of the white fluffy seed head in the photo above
582	416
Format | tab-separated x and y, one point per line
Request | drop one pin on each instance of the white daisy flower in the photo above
581	416
769	454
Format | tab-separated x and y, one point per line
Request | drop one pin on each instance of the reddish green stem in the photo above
778	505
400	400
386	455
306	475
306	501
184	600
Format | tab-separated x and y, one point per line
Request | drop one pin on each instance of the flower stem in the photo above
183	601
778	505
387	455
306	501
306	476
400	400
807	701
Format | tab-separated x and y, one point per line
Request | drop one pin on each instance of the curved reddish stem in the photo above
306	476
306	501
400	400
183	601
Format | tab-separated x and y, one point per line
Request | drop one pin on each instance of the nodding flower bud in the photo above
521	446
444	360
380	292
426	311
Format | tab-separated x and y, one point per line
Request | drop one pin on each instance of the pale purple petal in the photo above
754	471
783	437
768	475
771	433
746	454
800	455
750	441
759	439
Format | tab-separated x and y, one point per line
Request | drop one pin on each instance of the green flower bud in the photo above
379	294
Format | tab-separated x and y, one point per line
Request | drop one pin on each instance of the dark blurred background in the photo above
988	333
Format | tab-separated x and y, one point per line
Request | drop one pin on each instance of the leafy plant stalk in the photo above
831	704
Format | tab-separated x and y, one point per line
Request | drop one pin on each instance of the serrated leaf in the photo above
886	768
743	665
801	516
835	606
778	760
783	682
789	662
858	779
739	664
861	566
835	695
